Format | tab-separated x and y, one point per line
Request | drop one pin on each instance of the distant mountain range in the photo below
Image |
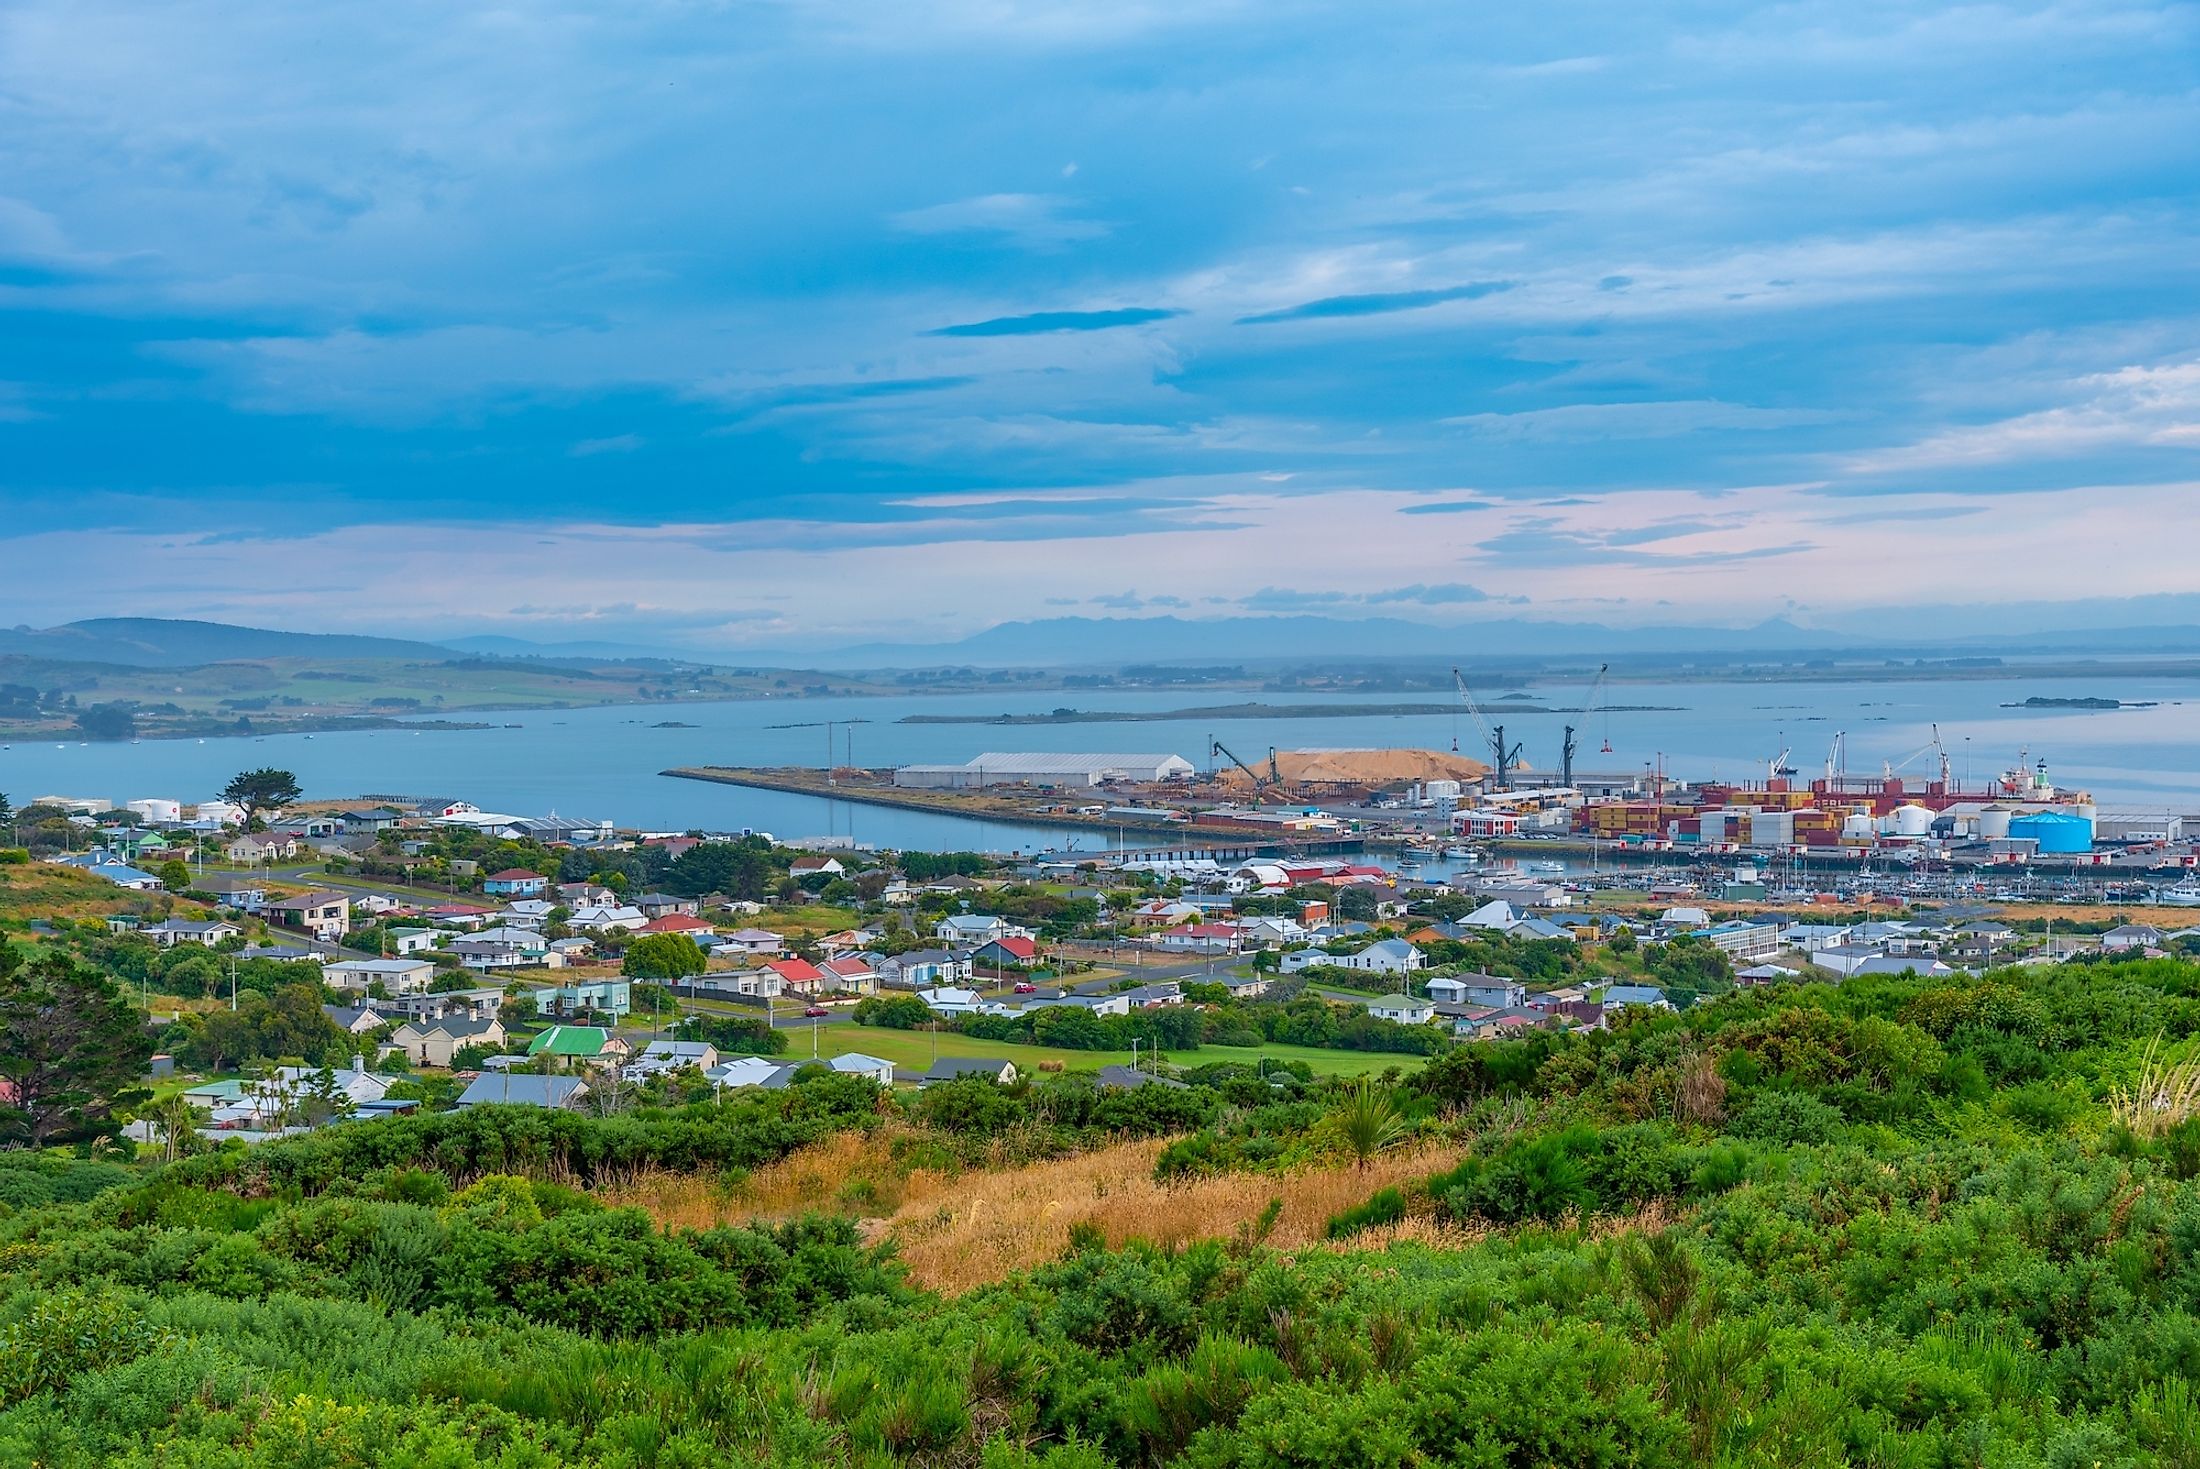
159	642
1071	641
1107	642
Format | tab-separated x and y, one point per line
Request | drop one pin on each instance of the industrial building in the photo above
1045	770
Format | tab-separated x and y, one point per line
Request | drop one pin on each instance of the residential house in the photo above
1486	1024
613	997
1198	938
920	968
1403	1009
531	912
1757	974
2131	936
1846	959
672	1055
1161	992
403	941
1478	989
855	1063
658	905
462	915
1620	996
1130	1078
477	1004
954	1068
1269	932
798	977
606	919
803	867
241	893
515	882
1014	951
1741	940
323	914
1924	966
1389	956
752	1071
948	1000
122	875
438	1042
523	1089
354	1019
395	976
578	1044
578	895
501	948
1299	959
850	975
256	847
974	928
698	929
1495	916
373	820
750	942
173	931
1164	911
755	984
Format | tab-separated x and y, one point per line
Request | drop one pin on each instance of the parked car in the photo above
1027	988
816	1010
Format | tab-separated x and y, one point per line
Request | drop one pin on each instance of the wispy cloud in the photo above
1033	221
1380	303
1040	322
2155	407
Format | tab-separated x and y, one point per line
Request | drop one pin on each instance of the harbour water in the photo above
605	762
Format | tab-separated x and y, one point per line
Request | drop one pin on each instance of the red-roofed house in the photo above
804	865
462	915
1200	938
687	923
514	882
799	976
1002	952
674	847
850	975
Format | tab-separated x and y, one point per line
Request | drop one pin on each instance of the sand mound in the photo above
1364	767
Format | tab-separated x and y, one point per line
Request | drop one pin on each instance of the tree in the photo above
663	956
261	791
71	1046
1368	1121
175	874
107	722
7	812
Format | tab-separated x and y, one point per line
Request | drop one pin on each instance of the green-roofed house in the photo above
584	1043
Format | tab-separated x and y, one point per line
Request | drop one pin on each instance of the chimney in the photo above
358	1063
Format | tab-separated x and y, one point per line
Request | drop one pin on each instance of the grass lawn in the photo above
912	1050
812	918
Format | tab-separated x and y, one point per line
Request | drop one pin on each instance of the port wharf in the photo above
1189	839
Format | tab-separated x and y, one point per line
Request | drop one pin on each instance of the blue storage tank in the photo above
2057	832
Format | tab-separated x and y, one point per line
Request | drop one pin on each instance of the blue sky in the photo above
757	324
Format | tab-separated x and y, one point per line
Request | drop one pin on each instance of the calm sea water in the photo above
604	763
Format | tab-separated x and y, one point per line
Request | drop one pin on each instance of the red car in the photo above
1027	989
816	1010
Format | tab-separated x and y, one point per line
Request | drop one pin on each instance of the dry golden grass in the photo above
2166	1093
958	1233
849	1172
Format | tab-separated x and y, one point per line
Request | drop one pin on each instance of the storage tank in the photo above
1857	824
2061	833
1914	821
1772	829
1993	824
154	808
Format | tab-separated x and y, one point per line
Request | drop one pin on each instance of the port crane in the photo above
1777	768
1217	749
1930	747
1837	757
1505	756
1567	747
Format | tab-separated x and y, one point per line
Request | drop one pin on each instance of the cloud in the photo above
1032	221
2146	407
1039	322
1378	304
1449	507
1636	420
1444	594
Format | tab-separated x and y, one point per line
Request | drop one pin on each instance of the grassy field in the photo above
45	890
913	1050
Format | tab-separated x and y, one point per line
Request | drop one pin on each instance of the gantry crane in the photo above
1217	748
1504	756
1566	748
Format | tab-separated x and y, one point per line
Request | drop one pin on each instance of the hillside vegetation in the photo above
1897	1222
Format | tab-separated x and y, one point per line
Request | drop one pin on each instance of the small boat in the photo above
2183	895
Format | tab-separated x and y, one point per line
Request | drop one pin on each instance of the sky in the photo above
753	324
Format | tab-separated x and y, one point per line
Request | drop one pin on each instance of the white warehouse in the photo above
998	768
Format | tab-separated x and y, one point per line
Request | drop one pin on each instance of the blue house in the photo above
515	882
613	997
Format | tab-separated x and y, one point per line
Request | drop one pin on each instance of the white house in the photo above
397	976
975	928
855	1063
606	919
1389	956
173	931
948	1000
1404	1009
